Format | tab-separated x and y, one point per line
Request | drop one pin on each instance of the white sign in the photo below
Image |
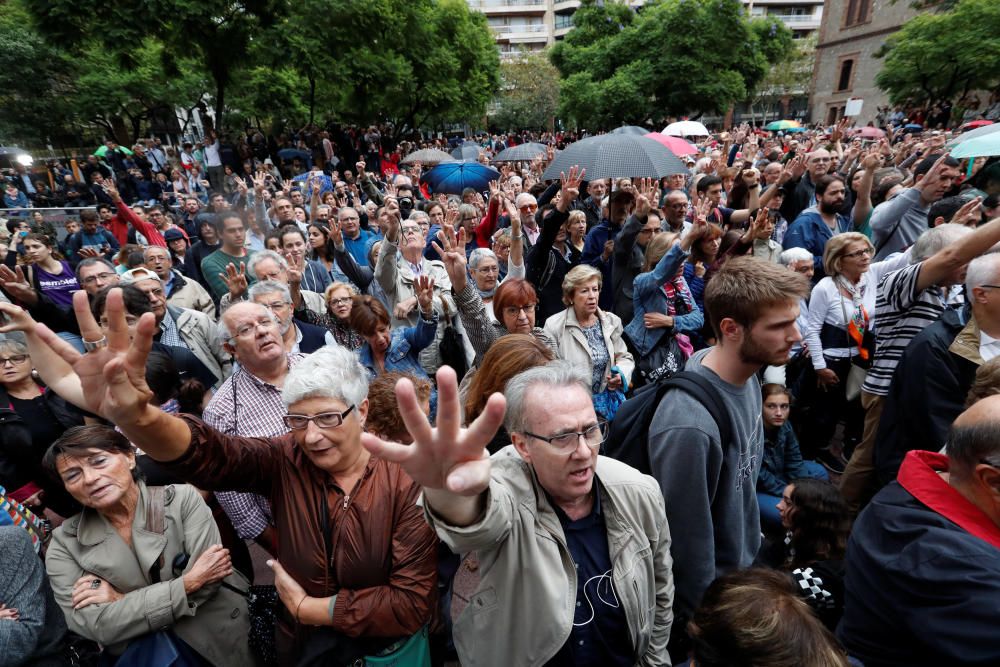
853	107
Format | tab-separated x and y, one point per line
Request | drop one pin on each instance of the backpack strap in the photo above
708	396
155	521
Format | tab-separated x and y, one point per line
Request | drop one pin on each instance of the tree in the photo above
944	56
789	77
673	57
529	93
217	32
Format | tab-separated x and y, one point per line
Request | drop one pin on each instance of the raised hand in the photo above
970	213
452	252
448	458
109	187
259	182
751	177
17	285
236	280
424	287
336	234
296	267
359	167
570	188
494	189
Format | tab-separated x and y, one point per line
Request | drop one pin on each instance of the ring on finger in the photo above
95	584
92	346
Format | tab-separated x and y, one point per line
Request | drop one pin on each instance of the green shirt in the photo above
216	263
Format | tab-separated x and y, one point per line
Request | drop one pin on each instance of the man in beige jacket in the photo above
573	547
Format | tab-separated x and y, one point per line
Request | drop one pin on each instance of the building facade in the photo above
851	33
521	26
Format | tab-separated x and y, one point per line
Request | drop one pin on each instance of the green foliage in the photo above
673	57
791	75
529	93
943	56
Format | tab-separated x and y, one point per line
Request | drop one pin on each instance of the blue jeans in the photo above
770	519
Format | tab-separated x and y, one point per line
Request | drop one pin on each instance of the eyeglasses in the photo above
323	420
514	311
90	280
407	231
528	207
277	304
488	269
13	359
251	328
339	302
858	254
566	442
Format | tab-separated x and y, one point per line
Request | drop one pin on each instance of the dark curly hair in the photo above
820	522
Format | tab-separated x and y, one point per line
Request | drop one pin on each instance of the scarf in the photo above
486	293
673	288
857	321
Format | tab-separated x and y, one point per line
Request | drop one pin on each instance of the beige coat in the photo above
522	611
190	294
197	330
214	620
566	332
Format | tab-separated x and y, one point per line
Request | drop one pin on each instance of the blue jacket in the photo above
781	462
313	337
810	232
404	349
20	201
648	297
593	248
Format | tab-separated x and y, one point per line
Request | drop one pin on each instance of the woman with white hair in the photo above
356	562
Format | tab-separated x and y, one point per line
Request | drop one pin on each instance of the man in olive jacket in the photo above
574	548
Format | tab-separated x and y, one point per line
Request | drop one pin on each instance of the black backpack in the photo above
628	440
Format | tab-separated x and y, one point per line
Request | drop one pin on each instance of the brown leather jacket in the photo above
382	554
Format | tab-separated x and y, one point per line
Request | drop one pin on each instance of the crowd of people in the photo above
411	405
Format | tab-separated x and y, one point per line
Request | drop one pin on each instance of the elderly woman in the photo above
839	333
138	559
355	555
388	348
32	417
589	337
662	303
339	298
484	267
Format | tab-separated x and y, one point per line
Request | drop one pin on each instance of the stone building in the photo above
851	32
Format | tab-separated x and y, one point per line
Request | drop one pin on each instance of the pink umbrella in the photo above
676	145
868	132
976	124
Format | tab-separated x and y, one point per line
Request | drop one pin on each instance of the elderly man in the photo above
592	204
357	240
675	207
553	524
296	336
180	327
269	265
923	561
181	292
526	206
96	273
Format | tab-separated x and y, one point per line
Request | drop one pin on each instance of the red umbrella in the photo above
869	132
976	123
676	145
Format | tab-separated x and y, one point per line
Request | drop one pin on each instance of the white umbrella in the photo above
686	128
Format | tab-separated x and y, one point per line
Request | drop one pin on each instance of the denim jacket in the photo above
647	297
404	349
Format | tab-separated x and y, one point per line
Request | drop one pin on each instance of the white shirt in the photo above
212	158
989	346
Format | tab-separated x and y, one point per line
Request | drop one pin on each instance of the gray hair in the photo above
91	261
936	239
260	256
558	373
13	346
524	198
792	255
982	271
417	216
333	372
969	445
222	334
269	287
477	256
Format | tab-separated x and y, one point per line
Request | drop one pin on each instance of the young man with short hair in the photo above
709	485
232	232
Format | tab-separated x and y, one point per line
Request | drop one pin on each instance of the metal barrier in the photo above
57	217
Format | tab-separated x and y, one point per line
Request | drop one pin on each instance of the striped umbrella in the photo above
777	125
617	156
523	153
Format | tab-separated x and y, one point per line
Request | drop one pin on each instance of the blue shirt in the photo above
359	247
600	635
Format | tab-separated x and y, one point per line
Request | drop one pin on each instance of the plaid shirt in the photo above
169	335
247	406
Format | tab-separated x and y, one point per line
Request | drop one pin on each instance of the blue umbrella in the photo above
913	127
453	177
290	154
326	183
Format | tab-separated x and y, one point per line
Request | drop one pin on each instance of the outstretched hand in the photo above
570	188
452	252
446	458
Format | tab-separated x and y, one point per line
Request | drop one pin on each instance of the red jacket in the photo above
125	217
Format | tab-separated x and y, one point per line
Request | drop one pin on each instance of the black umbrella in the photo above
469	150
617	156
631	129
523	153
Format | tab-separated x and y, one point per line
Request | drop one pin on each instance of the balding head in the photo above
818	163
974	456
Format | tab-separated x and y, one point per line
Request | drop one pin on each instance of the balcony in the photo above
508	7
532	32
798	21
561	5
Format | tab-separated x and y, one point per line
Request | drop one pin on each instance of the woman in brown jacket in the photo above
355	555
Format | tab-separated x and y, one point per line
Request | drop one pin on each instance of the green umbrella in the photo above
103	150
777	125
981	146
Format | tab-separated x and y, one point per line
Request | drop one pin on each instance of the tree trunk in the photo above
312	96
220	97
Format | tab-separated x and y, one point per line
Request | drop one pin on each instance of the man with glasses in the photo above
562	533
181	292
799	185
675	206
527	205
96	273
249	403
180	327
357	241
296	335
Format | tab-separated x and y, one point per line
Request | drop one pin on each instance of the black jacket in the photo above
799	195
926	395
545	267
313	337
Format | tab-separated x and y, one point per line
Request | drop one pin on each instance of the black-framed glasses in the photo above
858	254
514	311
14	360
104	275
989	286
566	442
323	420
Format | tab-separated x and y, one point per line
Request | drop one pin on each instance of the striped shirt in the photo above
901	312
247	406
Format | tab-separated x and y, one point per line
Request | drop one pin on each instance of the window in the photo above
858	12
846	76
